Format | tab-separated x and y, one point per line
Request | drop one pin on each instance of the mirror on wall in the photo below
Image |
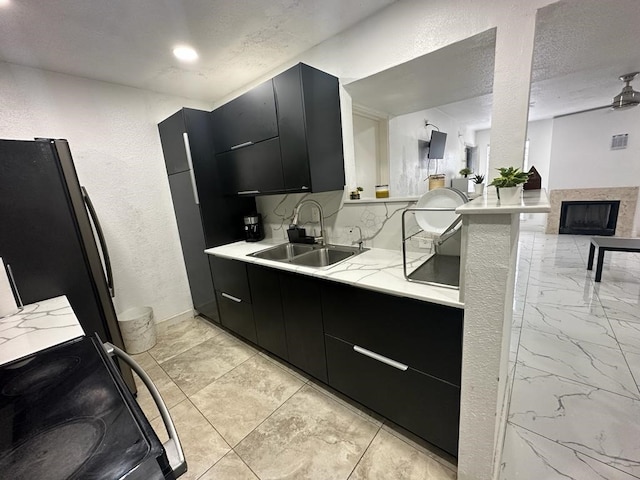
396	110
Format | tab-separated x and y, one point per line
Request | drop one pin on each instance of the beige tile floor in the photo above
242	414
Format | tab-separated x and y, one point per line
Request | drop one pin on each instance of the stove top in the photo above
65	413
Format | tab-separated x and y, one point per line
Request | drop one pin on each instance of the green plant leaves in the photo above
509	177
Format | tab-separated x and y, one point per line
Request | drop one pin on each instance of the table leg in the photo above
600	263
592	251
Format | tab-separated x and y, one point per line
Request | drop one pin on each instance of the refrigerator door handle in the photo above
187	149
101	241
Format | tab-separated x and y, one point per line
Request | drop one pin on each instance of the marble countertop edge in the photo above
533	201
375	269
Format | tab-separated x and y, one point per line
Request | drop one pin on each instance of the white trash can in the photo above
138	329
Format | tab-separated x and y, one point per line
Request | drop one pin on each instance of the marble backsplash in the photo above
381	223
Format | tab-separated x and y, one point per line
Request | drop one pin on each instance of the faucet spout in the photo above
321	238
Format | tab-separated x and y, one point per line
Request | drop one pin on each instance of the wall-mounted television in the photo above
436	144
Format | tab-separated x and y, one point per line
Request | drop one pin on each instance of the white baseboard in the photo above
180	317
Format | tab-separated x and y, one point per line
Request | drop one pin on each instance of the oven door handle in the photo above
172	447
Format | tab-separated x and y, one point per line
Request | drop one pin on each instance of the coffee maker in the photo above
253	227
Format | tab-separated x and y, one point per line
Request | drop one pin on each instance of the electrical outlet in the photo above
425	243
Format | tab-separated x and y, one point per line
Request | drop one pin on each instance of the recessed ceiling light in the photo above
183	53
5	3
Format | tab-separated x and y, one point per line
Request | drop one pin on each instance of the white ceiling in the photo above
130	42
581	48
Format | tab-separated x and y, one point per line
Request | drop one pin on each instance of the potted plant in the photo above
478	185
509	185
355	194
462	184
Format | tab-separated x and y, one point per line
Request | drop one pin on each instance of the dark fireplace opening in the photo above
597	217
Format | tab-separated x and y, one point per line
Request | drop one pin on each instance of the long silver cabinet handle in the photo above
248	192
175	454
187	149
231	297
240	145
380	358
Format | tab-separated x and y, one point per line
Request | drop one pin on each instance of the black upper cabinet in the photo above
310	128
283	136
221	215
248	119
252	170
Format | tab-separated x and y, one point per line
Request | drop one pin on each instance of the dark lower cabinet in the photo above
397	356
234	297
237	315
267	309
422	404
426	336
303	323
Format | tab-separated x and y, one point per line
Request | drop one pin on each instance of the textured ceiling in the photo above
130	41
581	48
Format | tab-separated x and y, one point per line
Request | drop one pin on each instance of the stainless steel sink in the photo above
284	252
308	255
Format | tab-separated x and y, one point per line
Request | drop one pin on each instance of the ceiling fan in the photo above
627	98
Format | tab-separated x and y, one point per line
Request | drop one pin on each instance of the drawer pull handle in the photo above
231	297
380	358
240	145
248	192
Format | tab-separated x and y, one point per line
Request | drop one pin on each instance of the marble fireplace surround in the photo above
628	197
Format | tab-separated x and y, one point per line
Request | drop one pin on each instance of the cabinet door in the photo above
230	277
192	243
237	315
249	118
253	169
425	336
303	323
422	404
291	123
172	140
267	309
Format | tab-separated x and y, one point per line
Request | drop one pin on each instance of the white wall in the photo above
581	156
580	151
540	134
407	171
116	149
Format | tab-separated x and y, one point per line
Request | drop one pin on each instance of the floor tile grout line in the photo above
562	334
247	465
364	452
267	417
432	455
637	399
570	448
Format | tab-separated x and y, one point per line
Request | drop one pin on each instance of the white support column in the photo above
511	88
489	253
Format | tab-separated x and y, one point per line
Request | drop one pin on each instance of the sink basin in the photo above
284	252
323	257
308	255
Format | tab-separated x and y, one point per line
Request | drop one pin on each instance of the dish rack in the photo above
442	268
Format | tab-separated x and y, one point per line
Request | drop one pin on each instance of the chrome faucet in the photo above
321	239
360	242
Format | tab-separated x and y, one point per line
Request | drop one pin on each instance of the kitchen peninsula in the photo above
475	351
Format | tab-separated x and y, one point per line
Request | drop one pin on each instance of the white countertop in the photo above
375	269
36	327
533	201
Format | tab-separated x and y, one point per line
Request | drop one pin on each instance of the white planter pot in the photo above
510	195
478	188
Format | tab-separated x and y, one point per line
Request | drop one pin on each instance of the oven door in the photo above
172	447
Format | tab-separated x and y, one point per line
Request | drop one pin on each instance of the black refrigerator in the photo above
48	231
